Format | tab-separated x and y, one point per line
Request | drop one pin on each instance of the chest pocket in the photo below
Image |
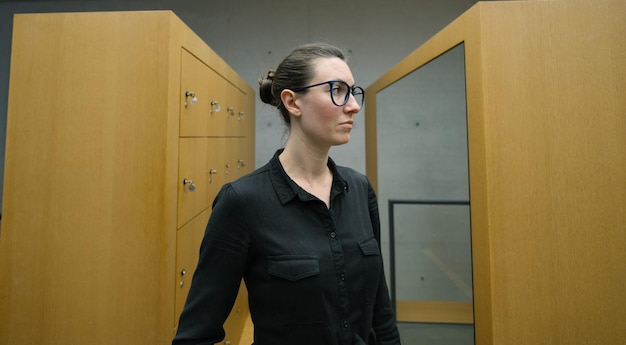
295	291
293	267
371	268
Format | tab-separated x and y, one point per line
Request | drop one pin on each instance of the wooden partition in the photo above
115	150
546	116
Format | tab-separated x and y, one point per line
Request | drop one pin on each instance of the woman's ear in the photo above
288	98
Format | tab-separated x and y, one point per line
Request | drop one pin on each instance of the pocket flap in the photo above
293	267
369	246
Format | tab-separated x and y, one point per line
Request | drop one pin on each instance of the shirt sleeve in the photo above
217	278
384	321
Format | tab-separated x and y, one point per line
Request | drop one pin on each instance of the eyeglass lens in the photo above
340	93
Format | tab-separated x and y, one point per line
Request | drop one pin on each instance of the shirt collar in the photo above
287	189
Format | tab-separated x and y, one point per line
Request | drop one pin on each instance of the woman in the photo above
301	231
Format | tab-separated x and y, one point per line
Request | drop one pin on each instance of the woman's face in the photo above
321	122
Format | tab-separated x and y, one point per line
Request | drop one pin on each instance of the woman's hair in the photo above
296	70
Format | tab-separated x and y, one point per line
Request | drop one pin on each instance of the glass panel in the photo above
421	124
422	132
433	252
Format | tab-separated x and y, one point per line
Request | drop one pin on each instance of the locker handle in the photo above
230	111
215	106
211	173
193	100
191	187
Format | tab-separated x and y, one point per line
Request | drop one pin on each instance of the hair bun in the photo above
265	88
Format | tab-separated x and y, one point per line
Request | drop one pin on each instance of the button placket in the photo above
338	258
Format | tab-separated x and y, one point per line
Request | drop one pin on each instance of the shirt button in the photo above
333	235
342	276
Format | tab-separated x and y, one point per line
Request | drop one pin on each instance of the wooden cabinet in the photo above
546	130
119	135
187	238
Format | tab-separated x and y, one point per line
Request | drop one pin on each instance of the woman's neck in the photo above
308	167
305	159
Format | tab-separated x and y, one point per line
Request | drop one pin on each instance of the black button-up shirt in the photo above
314	274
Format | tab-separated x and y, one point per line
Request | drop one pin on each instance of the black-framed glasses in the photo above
339	91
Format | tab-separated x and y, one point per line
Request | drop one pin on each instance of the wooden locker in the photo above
98	220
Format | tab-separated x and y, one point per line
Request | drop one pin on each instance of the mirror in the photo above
423	193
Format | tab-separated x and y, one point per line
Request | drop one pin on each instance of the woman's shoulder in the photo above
248	185
349	172
351	175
